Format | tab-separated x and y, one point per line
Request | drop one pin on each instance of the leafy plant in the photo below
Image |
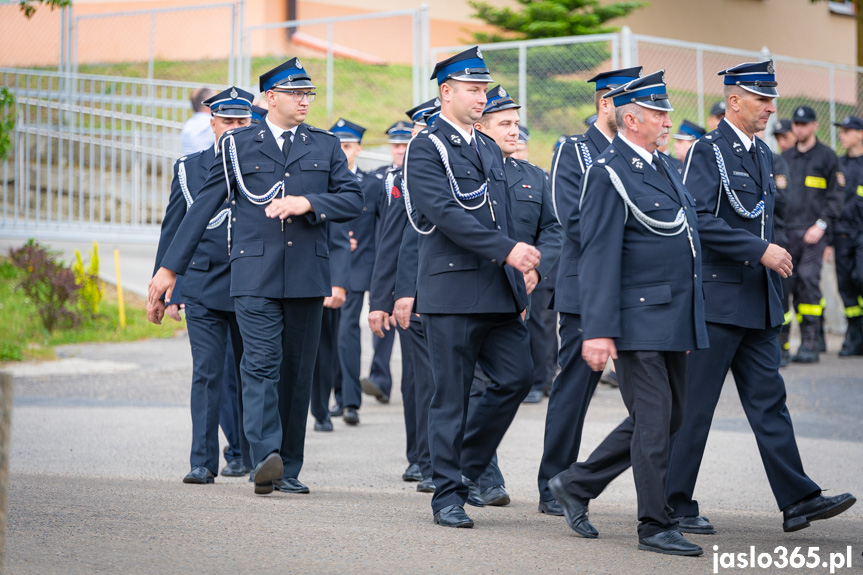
7	121
91	288
49	284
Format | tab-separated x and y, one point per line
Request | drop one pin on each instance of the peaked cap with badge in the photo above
647	91
523	134
756	77
288	76
467	66
258	113
416	113
689	131
614	78
498	100
231	103
850	123
347	131
399	133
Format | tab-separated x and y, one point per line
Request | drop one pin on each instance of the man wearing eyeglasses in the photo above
285	180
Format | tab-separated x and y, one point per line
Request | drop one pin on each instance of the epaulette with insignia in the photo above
321	130
379	176
579	138
187	157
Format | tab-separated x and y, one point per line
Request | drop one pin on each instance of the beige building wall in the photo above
796	28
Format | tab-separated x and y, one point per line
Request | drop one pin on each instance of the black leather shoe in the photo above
813	508
533	396
670	543
199	475
426	485
574	509
267	471
373	389
412	473
290	485
350	416
474	496
235	468
550	507
695	524
609	378
325	425
495	496
337	410
453	516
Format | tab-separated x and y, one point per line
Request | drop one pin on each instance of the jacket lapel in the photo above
744	158
514	173
457	142
640	167
300	147
268	144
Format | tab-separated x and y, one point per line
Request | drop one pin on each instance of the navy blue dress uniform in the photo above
848	246
280	270
815	197
686	135
364	230
394	273
731	178
635	206
536	224
328	371
469	299
576	382
205	290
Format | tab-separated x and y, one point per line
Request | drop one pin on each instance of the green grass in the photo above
24	338
377	96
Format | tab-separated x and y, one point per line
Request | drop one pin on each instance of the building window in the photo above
845	8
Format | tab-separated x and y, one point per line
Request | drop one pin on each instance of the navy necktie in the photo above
286	147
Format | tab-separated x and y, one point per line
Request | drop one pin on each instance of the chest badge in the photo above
637	163
455	139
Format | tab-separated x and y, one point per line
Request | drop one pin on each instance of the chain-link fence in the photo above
366	68
547	78
91	155
36	42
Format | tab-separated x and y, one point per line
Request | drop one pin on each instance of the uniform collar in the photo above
744	139
277	131
467	137
645	155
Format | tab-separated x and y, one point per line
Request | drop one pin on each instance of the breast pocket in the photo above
645	310
721	287
453	280
247	265
744	184
658	206
467	172
528	205
248	168
315	175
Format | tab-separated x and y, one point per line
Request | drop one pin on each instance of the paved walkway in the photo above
101	440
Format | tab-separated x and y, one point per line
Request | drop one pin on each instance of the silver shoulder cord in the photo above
456	193
647	222
554	178
388	184
733	200
216	220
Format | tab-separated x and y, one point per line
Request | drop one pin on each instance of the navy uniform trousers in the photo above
280	272
210	318
576	383
327	370
654	313
744	315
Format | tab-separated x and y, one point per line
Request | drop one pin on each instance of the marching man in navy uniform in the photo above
576	383
640	280
363	230
285	180
394	280
730	173
535	224
206	287
470	283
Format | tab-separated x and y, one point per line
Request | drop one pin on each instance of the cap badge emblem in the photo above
299	66
340	123
234	93
770	69
502	92
478	53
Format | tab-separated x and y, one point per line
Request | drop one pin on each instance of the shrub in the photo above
49	284
90	287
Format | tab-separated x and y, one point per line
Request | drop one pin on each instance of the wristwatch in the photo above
822	225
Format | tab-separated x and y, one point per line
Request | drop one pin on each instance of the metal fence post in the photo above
331	89
5	420
522	81
426	51
699	65
626	47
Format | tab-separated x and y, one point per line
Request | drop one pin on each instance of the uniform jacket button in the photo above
242	251
323	216
233	202
641	299
714	276
290	244
289	220
746	263
287	174
451	264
